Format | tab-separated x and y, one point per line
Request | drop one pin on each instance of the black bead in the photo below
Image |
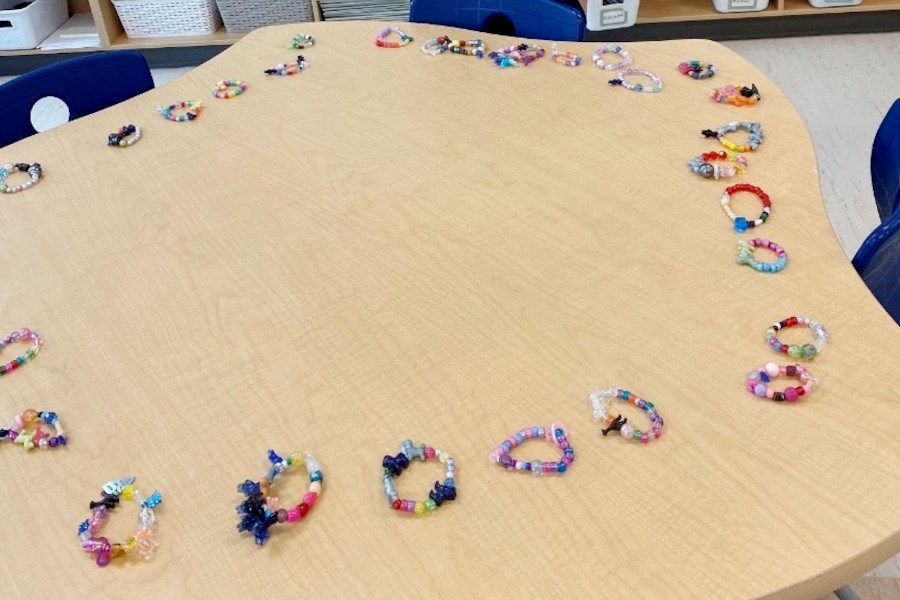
778	397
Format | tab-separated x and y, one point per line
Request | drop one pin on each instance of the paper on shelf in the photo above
77	32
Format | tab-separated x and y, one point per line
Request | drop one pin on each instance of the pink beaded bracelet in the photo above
556	435
758	379
599	401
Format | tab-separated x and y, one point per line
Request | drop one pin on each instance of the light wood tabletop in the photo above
390	245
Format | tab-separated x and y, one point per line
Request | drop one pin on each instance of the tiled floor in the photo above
842	105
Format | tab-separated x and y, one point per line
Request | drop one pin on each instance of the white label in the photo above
613	16
741	4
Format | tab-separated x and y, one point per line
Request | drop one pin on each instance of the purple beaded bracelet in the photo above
556	435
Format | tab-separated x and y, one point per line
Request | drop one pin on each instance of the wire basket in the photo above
244	15
167	18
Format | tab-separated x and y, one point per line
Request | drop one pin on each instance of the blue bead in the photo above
315	476
274	457
764	377
83	526
638	87
776	346
626	394
561	467
740	224
62	440
559	432
535	431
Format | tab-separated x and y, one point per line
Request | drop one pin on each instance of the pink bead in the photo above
657	432
430	453
293	515
310	498
770	393
790	394
549	467
626	431
772	369
645	438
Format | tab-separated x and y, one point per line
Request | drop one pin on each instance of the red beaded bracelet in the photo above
741	224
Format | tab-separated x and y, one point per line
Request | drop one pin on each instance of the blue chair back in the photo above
542	19
885	164
86	84
878	263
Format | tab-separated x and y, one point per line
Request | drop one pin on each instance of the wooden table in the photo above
390	245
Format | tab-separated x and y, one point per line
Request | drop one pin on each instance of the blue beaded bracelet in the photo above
556	435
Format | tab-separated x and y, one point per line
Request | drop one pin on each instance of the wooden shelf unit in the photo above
679	11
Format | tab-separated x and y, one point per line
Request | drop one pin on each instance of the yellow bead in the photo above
128	492
420	508
130	543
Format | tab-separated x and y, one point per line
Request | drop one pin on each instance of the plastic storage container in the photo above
611	14
168	18
829	3
740	5
25	28
244	15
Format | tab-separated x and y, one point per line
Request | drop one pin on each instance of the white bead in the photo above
772	369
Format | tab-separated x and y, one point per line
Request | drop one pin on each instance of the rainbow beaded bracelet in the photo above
599	401
290	68
707	164
381	43
754	135
21	335
804	352
556	435
741	224
697	69
513	56
34	171
757	382
745	255
26	429
192	113
260	511
394	466
143	540
625	61
230	88
567	59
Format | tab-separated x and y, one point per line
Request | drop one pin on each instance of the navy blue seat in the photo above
542	19
885	163
878	263
86	84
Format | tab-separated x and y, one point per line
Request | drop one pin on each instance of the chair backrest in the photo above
878	263
885	163
86	84
542	19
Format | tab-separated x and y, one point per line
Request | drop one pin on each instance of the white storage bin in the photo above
25	28
740	5
829	3
168	18
611	14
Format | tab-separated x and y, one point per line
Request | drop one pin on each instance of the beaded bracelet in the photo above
754	135
225	90
192	113
381	43
757	380
745	255
511	56
567	59
143	540
301	41
600	403
34	175
435	46
121	139
741	224
259	511
290	68
556	435
21	335
738	96
706	164
26	429
637	87
597	57
467	47
394	466
697	69
804	352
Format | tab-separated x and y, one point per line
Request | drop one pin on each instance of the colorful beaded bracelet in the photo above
512	56
26	429
556	435
259	511
34	171
381	43
143	540
225	90
738	96
468	47
754	135
600	403
290	68
301	41
697	69
637	87
121	139
21	335
192	113
626	61
804	352
435	46
394	466
567	59
758	379
741	224
707	165
745	255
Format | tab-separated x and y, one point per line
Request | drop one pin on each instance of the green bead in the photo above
809	351
637	434
794	351
430	505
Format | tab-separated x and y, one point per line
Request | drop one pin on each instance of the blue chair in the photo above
542	19
86	84
885	164
878	263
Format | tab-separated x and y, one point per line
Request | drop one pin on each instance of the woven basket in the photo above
167	18
244	15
